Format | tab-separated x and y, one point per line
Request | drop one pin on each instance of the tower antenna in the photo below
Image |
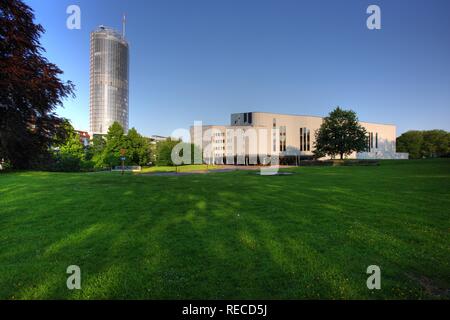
124	20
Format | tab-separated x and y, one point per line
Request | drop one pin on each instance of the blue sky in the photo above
205	59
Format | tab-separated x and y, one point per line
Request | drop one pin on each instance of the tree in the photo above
411	142
30	89
164	152
424	144
72	147
138	148
340	134
95	149
435	143
69	153
115	141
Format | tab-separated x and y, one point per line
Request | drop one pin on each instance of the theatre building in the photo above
290	137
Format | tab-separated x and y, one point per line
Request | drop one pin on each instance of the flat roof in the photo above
305	115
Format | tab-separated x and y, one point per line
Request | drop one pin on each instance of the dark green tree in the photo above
30	89
435	143
138	148
115	141
411	142
340	134
95	149
424	144
164	151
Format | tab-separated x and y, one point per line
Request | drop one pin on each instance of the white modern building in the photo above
289	137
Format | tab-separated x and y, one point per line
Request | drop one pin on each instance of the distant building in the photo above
109	60
293	141
156	138
85	138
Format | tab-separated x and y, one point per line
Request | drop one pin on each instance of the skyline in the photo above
203	60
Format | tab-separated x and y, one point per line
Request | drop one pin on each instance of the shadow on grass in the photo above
225	235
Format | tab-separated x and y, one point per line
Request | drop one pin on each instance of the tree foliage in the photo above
139	148
106	152
30	89
424	144
69	154
164	151
340	134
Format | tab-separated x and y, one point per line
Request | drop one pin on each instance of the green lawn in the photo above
228	235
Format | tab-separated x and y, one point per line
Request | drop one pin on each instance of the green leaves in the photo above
424	144
106	152
340	134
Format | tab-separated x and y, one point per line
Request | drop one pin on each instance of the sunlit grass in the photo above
184	168
228	235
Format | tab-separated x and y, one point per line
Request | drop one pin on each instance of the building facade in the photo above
109	68
290	137
85	138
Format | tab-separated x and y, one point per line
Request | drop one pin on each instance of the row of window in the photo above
248	117
371	142
305	139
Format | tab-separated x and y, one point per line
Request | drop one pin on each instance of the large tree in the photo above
115	142
70	154
30	88
164	151
139	148
424	144
411	142
340	134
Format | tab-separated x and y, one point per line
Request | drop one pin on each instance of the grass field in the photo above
228	235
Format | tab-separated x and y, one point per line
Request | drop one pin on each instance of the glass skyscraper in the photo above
108	80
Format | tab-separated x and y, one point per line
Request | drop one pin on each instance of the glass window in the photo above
301	139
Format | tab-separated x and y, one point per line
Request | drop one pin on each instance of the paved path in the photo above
220	169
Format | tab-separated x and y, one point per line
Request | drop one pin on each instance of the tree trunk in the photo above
342	156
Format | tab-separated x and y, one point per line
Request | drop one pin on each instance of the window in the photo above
376	140
283	138
250	116
305	138
245	117
274	122
371	140
301	139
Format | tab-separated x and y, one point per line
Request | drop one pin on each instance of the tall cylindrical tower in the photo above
108	80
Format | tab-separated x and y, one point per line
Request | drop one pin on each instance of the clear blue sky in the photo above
205	59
